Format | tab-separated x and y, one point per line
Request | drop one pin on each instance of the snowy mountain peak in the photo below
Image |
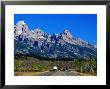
21	22
68	33
20	27
38	30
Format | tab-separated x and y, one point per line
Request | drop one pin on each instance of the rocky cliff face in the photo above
62	45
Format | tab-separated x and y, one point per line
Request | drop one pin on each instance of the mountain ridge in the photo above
62	45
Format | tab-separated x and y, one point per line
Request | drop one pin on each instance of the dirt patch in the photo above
28	73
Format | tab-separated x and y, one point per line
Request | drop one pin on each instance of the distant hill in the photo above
37	43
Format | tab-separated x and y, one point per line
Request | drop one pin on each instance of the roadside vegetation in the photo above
30	64
86	66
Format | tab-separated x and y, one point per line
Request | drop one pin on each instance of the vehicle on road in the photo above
55	68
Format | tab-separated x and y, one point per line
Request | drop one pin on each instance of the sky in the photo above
83	26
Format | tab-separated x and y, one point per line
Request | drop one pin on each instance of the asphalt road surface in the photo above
60	73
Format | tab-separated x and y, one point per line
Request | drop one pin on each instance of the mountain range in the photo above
37	43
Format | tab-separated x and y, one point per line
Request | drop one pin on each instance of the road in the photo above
60	73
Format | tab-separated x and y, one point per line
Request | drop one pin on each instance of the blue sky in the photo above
83	26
